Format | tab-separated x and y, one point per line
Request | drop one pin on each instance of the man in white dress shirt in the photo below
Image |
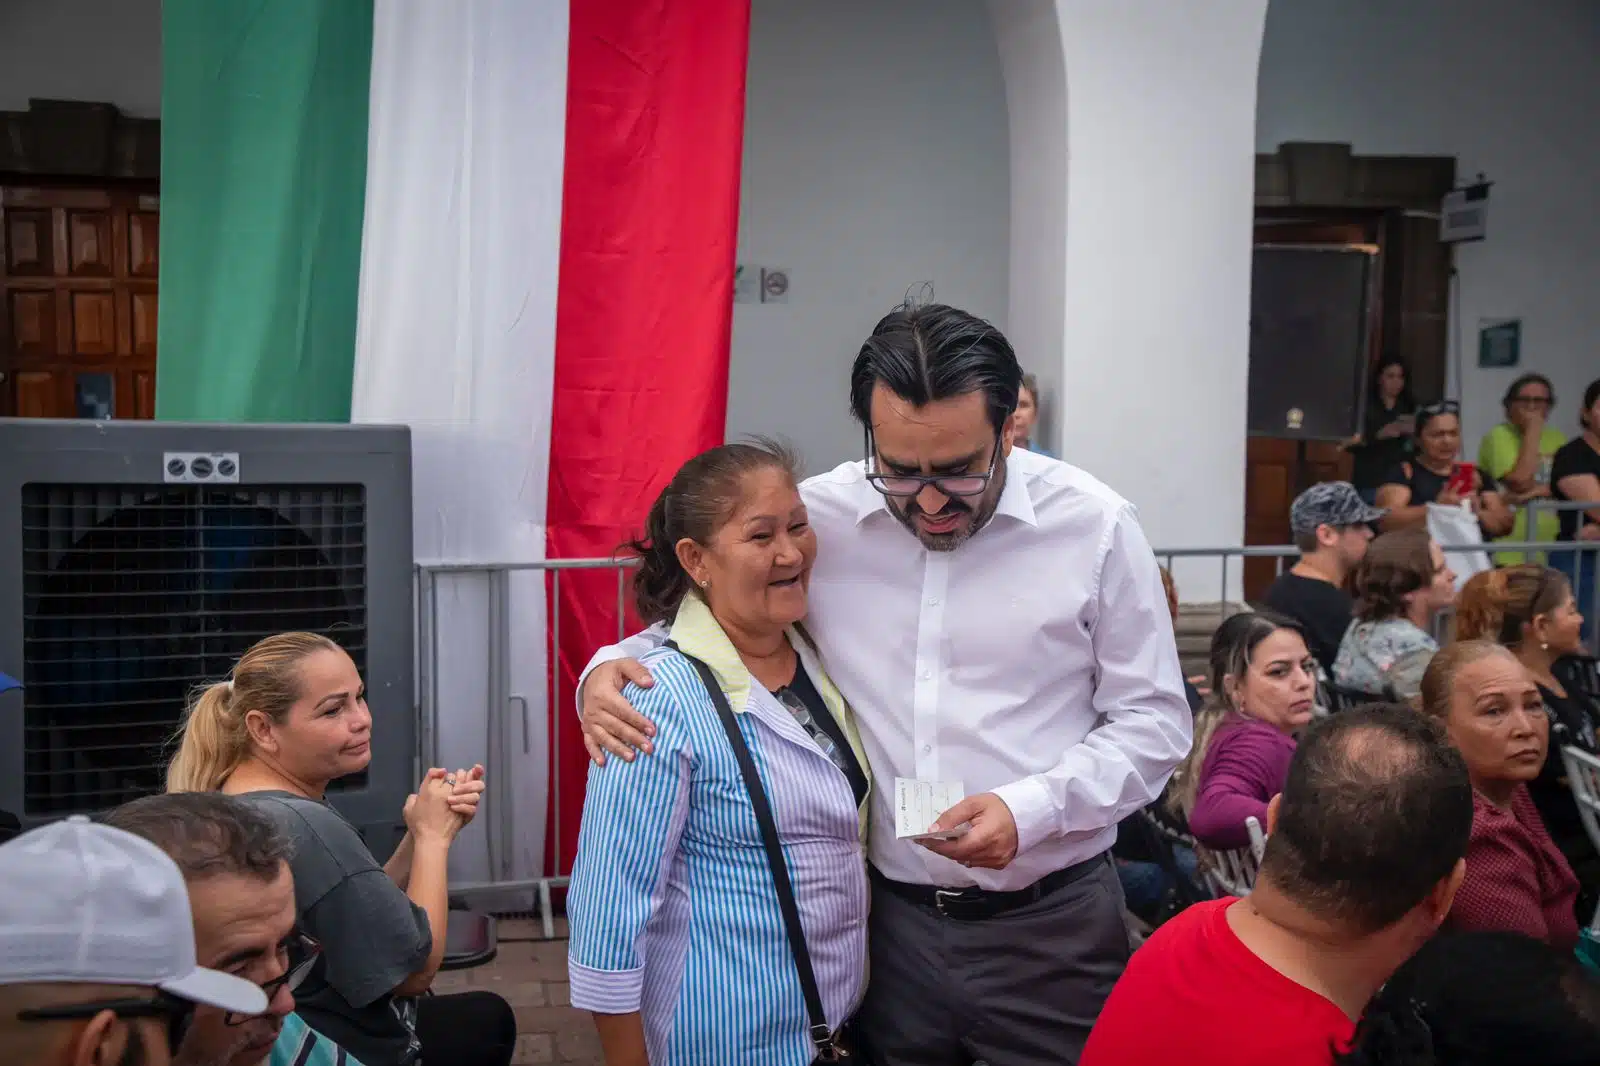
996	618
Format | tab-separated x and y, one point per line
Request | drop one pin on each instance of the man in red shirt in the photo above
1364	854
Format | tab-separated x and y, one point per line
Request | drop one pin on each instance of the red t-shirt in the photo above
1194	994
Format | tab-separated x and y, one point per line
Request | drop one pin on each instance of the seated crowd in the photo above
315	954
1420	876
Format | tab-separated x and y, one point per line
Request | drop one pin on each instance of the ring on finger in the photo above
449	779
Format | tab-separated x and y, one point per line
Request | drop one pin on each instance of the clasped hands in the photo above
445	801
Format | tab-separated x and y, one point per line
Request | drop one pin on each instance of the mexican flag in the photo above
508	223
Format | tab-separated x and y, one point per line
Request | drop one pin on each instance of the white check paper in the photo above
918	804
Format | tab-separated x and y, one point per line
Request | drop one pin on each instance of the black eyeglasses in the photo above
906	485
303	952
178	1013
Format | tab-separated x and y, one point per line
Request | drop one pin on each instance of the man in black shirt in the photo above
1331	526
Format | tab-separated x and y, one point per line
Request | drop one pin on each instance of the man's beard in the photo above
944	542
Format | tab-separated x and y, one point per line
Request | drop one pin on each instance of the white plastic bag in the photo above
1457	527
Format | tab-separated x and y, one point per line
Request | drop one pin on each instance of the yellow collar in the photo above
697	632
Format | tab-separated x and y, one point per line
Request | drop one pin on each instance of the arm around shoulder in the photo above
636	646
634	814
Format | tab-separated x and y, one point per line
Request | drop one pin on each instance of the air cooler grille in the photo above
134	595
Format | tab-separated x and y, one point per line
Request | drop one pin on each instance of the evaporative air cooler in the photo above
138	560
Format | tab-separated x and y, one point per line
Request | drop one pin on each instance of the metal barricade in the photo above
503	703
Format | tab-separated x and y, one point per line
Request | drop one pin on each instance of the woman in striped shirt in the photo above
678	944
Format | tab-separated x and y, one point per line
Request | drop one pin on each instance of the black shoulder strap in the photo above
820	1033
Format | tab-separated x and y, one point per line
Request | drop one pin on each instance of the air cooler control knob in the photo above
176	467
200	466
226	468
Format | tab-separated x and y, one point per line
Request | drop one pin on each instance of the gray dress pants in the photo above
1018	989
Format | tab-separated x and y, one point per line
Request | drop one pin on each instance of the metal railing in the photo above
508	719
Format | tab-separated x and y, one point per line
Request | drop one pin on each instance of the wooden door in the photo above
78	302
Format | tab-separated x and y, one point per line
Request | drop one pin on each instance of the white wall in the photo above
97	50
1510	89
1028	34
875	159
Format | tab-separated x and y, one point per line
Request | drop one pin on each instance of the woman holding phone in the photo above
1435	475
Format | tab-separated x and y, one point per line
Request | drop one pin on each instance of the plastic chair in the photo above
470	939
1233	873
1583	779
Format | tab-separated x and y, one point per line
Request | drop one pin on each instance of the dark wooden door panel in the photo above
78	302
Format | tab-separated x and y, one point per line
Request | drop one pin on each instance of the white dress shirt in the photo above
1035	661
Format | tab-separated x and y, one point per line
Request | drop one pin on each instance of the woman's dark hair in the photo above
1482	998
1404	399
1590	395
928	352
1524	380
1396	565
696	502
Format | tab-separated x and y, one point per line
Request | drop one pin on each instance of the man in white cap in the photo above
97	960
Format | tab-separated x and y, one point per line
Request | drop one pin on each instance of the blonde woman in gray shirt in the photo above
290	719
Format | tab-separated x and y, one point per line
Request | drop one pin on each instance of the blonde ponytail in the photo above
211	744
214	740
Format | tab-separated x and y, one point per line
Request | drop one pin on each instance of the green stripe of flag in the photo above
263	176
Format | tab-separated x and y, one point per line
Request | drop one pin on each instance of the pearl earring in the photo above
1544	645
705	584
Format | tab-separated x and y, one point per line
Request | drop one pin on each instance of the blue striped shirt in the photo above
672	906
300	1045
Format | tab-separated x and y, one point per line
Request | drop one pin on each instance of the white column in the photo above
1028	35
1159	179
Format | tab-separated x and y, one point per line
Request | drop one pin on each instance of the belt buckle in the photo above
942	895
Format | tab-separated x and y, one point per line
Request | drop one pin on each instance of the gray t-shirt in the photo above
373	937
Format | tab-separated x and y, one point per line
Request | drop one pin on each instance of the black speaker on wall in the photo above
1310	333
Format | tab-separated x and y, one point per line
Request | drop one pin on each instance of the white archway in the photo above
1132	178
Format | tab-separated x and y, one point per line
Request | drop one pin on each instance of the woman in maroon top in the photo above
1263	690
1517	879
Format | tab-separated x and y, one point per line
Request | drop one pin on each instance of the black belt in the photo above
975	904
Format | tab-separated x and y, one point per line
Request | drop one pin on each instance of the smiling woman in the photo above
725	561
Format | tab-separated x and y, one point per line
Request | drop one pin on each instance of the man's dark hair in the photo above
206	833
928	352
1375	812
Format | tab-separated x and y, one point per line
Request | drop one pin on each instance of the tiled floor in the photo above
531	973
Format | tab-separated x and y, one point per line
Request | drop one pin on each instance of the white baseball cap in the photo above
84	903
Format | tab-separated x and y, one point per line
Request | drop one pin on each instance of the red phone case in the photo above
1462	478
